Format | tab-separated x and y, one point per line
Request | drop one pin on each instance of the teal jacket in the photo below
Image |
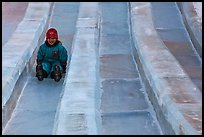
53	53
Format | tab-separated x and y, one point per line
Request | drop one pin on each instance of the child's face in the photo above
51	41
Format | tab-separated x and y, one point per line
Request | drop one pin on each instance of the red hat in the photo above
52	33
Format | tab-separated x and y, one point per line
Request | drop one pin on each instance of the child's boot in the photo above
57	73
39	72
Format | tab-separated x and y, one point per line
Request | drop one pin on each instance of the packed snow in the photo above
198	9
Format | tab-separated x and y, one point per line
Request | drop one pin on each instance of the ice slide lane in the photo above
17	55
170	27
125	106
36	108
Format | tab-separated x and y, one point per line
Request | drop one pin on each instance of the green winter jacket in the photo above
53	53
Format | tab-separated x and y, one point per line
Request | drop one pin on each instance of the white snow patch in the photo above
198	9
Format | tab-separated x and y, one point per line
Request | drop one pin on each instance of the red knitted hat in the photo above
52	33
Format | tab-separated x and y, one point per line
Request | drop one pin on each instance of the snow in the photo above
198	9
